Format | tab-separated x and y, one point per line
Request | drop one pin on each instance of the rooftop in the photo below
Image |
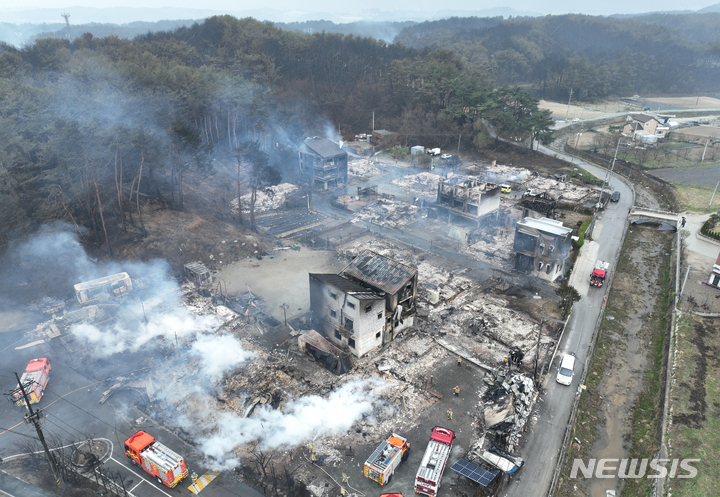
546	225
347	286
322	147
379	271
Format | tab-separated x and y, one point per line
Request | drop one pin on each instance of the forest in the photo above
93	128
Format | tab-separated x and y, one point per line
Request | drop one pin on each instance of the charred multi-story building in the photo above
367	305
322	162
541	247
468	197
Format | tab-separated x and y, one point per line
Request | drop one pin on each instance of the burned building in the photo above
541	247
197	273
114	285
468	197
367	304
323	163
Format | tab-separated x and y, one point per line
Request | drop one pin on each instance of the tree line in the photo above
93	128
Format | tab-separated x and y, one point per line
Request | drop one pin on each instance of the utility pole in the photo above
612	166
704	150
285	307
568	108
67	23
34	418
537	345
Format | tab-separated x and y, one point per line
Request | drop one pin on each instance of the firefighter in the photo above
342	491
344	478
194	477
449	413
459	361
457	390
313	458
310	447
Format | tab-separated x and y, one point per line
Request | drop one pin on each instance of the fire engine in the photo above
155	458
427	481
34	380
381	464
597	278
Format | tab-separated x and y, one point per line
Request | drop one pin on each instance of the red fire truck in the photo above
597	278
427	481
155	458
34	380
381	464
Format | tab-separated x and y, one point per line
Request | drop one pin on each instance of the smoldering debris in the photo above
266	199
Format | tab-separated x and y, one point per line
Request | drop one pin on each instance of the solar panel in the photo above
479	475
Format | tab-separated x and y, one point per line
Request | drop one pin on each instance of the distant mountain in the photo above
710	8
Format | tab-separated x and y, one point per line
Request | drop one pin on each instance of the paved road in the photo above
545	438
73	413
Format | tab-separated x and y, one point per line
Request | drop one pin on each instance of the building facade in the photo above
367	305
542	247
468	197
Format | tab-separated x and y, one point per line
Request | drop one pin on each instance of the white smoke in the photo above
218	354
302	419
131	336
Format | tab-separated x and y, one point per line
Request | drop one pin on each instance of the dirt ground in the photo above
689	102
583	110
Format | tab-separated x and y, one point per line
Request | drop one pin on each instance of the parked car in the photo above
565	371
505	189
446	156
615	197
530	192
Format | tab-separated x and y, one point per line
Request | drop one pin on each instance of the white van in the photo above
565	371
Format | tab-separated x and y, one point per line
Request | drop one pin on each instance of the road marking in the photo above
139	476
31	344
202	482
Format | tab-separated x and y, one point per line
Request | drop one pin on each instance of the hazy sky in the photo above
430	6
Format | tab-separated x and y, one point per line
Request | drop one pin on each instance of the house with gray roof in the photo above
322	162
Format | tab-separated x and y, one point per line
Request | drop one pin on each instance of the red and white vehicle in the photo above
155	458
427	481
597	278
34	380
381	464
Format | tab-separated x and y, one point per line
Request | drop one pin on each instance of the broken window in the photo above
377	335
548	268
380	315
334	297
348	324
540	265
551	249
337	335
351	343
542	248
368	308
333	313
351	305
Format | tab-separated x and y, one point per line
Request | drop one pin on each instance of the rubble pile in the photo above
270	198
507	404
562	191
364	168
424	185
494	247
386	212
496	173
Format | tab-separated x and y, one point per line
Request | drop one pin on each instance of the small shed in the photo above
197	273
315	345
417	150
